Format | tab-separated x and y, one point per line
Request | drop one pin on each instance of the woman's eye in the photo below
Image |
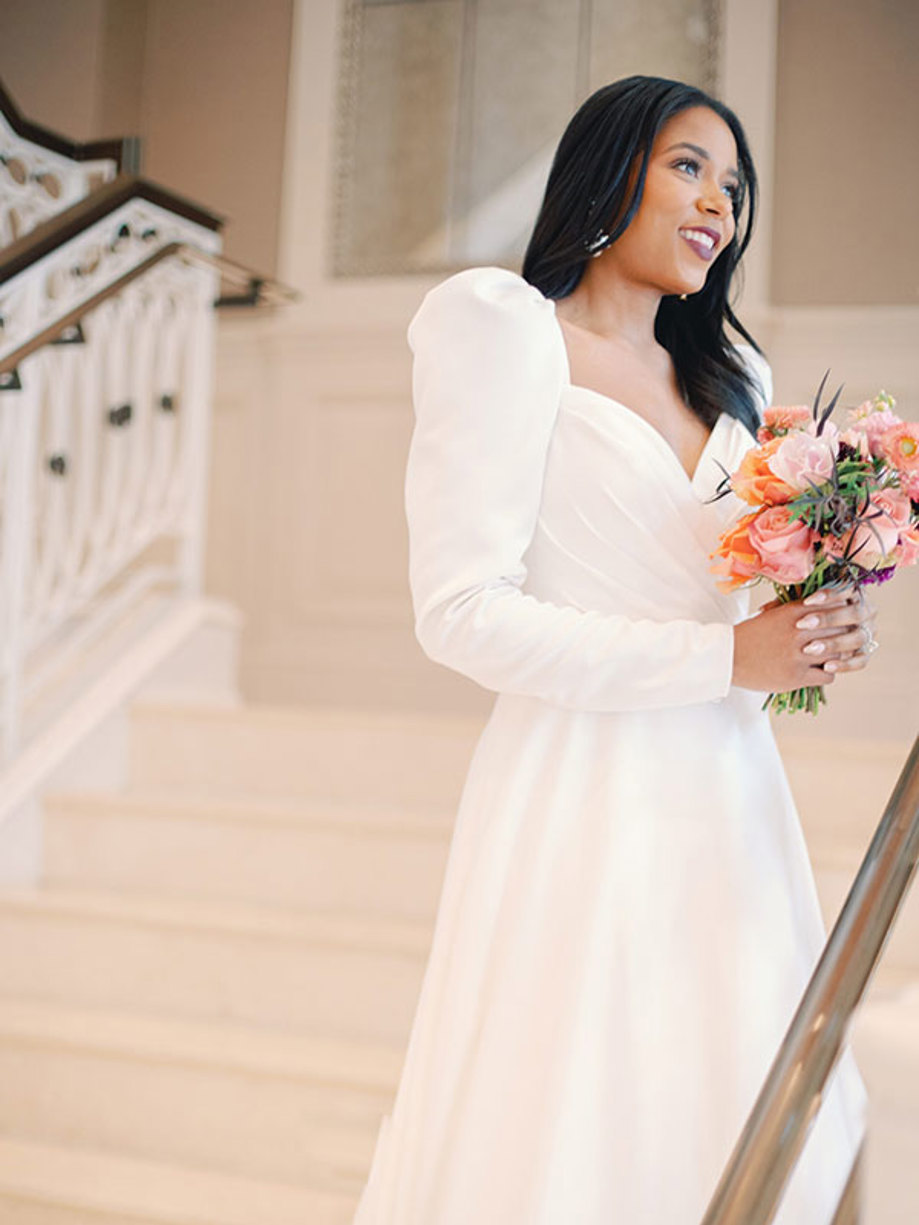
733	188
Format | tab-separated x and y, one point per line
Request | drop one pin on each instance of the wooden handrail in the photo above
123	151
64	226
765	1154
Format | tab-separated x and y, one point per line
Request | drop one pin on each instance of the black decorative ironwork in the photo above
70	335
120	416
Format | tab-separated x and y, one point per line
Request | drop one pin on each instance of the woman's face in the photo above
685	188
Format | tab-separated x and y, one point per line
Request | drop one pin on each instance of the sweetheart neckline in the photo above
645	424
631	411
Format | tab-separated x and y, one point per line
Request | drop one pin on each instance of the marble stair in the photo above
204	1001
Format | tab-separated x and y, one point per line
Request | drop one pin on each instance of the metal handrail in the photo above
752	1183
260	289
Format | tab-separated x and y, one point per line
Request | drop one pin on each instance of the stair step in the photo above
291	751
840	786
43	1184
885	1042
886	1032
291	1108
325	854
833	884
343	975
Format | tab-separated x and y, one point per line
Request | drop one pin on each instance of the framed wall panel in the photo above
449	112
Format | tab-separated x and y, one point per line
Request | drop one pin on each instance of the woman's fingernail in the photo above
819	597
814	648
830	666
811	621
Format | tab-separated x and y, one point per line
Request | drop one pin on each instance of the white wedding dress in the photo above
628	915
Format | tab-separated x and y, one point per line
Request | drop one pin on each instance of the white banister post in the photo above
198	397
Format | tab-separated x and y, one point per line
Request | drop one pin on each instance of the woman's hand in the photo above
774	652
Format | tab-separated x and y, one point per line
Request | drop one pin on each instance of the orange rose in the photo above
738	560
756	483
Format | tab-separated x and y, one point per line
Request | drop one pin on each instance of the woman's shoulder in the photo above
486	296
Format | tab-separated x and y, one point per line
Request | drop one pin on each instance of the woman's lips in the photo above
700	249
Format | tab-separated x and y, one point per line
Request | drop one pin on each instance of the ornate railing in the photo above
42	173
103	430
106	352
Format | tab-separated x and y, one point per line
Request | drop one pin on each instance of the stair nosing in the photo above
258	810
84	1193
226	1045
347	931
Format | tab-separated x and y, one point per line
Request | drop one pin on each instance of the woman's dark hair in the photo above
586	190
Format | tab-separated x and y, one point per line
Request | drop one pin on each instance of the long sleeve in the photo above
489	367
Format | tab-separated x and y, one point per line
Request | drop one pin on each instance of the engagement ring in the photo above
870	644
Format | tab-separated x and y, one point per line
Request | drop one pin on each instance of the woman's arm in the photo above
487	377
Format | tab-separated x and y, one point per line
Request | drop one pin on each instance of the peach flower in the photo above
900	447
778	419
785	545
737	560
755	482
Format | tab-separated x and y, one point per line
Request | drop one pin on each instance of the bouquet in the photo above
830	507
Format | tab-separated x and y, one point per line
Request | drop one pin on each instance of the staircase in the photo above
205	1000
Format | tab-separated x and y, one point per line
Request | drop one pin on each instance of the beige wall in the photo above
203	82
50	61
215	95
846	170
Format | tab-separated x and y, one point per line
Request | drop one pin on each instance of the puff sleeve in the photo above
488	371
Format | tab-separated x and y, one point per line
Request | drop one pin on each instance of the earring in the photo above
598	245
682	297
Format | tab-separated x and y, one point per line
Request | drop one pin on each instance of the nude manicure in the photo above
808	623
819	597
814	648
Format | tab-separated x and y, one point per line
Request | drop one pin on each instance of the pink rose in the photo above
785	545
858	441
907	551
873	422
803	457
875	537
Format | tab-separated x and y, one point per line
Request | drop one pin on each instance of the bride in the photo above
628	915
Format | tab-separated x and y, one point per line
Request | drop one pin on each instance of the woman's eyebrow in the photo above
702	153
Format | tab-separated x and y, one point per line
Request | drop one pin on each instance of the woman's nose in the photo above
716	202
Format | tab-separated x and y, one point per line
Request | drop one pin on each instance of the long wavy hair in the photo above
586	190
